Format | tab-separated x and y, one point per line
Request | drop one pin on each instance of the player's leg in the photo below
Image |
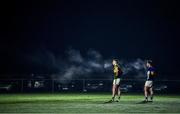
118	89
146	92
119	92
151	93
113	90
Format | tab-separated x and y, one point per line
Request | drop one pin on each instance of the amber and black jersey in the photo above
117	72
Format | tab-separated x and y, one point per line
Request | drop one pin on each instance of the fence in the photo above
83	85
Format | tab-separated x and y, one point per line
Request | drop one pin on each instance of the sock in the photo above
112	98
146	98
151	97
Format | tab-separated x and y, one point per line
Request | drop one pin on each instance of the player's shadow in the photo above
144	102
106	102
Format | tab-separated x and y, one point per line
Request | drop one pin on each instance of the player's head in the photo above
115	62
149	63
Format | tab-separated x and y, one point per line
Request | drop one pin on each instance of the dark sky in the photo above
125	29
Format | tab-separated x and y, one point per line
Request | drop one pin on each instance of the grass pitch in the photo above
86	103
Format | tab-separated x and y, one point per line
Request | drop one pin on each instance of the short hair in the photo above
150	62
116	60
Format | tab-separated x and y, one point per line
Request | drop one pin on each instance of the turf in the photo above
86	103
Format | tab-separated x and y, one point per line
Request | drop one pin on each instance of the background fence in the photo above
83	85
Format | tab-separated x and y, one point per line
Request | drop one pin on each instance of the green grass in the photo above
85	103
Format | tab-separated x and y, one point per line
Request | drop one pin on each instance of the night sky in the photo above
127	29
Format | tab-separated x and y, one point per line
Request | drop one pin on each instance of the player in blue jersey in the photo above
148	87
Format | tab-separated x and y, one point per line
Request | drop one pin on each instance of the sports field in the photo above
86	103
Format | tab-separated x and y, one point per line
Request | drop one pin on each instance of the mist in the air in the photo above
89	65
93	65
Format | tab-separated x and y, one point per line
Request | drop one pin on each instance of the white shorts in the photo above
149	83
116	81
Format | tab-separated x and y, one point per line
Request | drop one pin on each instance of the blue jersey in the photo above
151	73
